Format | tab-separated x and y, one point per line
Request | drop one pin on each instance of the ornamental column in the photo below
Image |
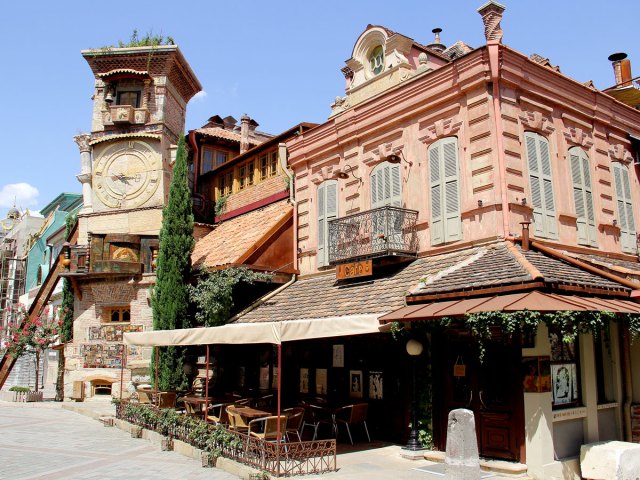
85	170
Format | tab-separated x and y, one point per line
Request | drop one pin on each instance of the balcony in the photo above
381	232
125	115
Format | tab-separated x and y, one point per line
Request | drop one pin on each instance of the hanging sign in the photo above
354	270
459	368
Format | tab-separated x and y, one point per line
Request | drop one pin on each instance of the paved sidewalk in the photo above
53	443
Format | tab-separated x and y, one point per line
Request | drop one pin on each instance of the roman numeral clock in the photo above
126	175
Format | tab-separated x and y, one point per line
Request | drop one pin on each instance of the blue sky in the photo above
277	61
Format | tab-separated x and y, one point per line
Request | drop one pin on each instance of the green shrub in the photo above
20	389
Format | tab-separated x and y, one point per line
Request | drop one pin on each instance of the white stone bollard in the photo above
610	461
461	460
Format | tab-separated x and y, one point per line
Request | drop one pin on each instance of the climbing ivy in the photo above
212	295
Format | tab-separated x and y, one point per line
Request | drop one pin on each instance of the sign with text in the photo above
354	270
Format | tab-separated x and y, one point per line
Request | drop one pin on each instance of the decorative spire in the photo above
491	13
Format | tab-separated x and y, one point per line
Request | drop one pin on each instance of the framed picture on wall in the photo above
338	355
375	385
304	380
564	383
321	381
355	383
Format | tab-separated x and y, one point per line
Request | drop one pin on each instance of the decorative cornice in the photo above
619	153
537	121
577	136
328	172
381	153
441	128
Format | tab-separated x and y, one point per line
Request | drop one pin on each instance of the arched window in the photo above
583	197
444	183
626	221
327	210
541	183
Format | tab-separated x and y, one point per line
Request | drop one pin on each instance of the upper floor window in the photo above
246	174
444	183
128	97
386	187
583	197
376	60
268	165
626	221
541	184
117	314
225	184
212	158
327	210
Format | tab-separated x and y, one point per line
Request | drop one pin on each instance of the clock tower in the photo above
139	106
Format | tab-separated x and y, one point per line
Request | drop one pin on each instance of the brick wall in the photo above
257	192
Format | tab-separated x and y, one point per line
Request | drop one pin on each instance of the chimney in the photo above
621	69
244	133
437	44
525	235
491	13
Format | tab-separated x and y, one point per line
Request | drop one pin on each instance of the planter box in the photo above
208	459
21	396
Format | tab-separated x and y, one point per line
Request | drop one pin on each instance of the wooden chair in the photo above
269	430
295	419
236	422
144	397
167	400
350	415
218	413
193	409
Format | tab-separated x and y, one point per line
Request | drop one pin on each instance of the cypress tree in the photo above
171	297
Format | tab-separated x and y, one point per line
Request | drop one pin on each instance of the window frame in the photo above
324	216
545	218
446	220
122	310
583	194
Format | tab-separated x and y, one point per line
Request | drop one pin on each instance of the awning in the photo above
536	301
259	332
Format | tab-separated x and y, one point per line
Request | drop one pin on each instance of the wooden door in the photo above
492	389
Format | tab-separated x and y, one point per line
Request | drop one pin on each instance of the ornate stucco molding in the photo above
577	136
534	120
328	172
445	127
619	153
381	152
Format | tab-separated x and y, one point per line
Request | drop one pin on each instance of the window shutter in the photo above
321	225
541	183
583	197
386	187
625	209
435	180
453	226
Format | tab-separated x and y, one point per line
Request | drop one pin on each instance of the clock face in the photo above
126	175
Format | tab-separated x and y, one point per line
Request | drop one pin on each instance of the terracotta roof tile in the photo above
232	238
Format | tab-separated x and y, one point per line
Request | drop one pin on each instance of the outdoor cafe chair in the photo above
143	396
350	415
236	422
269	430
192	409
219	413
314	416
295	419
167	400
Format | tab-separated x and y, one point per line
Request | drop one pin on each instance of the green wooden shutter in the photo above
327	211
541	183
625	208
444	182
386	188
583	197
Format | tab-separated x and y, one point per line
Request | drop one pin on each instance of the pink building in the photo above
457	180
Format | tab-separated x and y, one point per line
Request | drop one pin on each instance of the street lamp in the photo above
414	349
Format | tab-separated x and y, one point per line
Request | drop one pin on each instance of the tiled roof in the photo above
232	238
626	266
255	138
321	296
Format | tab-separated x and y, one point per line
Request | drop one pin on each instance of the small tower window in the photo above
129	98
376	60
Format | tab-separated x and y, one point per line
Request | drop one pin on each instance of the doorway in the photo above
491	388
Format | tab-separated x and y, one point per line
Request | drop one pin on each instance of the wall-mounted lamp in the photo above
395	158
615	222
344	173
480	203
524	201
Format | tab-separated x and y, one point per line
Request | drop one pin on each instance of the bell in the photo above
108	98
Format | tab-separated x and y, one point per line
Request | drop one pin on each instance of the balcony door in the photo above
327	210
386	190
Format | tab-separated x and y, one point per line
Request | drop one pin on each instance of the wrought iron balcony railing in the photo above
384	231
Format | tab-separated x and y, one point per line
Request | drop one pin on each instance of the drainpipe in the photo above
196	159
282	156
491	15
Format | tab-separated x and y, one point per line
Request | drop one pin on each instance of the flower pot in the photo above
208	459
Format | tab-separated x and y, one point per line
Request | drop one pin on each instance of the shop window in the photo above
117	315
268	165
565	372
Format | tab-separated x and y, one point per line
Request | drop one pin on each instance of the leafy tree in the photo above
171	296
213	294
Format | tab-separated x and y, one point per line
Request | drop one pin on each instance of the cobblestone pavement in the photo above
52	443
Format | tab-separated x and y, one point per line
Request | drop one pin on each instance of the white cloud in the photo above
200	95
23	194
